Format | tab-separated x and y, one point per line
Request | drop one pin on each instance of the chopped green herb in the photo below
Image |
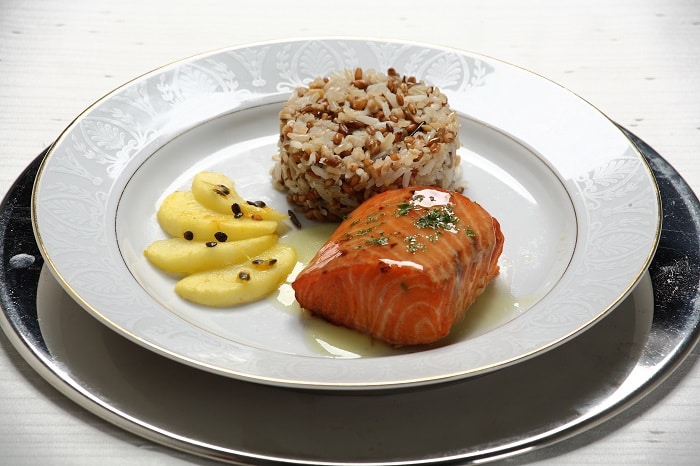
364	231
380	241
413	244
470	233
403	209
434	237
438	218
404	286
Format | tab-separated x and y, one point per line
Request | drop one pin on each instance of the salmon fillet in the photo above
404	266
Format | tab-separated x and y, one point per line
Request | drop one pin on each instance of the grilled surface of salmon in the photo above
404	266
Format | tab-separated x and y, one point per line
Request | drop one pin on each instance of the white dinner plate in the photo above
577	203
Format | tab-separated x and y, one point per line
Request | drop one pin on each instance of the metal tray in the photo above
508	412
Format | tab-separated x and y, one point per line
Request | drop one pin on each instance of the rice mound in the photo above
359	132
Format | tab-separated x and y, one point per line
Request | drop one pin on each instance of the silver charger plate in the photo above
517	409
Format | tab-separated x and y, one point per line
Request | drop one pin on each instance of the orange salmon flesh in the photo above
404	266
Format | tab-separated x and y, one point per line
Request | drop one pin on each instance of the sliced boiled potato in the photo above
180	213
178	255
243	283
216	191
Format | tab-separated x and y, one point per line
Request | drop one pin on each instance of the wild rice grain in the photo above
294	219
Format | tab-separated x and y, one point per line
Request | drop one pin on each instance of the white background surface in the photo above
637	61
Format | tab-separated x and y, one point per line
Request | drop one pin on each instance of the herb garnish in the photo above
403	209
380	241
413	244
364	231
435	212
441	217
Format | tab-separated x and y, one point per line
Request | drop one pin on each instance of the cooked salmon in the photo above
404	266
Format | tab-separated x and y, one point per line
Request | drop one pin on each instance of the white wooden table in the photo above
637	61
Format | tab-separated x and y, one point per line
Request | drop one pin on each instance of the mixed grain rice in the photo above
357	133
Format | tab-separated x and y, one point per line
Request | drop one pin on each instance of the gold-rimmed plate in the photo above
577	202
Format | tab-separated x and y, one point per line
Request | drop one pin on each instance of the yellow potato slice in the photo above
180	212
241	283
177	255
216	191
